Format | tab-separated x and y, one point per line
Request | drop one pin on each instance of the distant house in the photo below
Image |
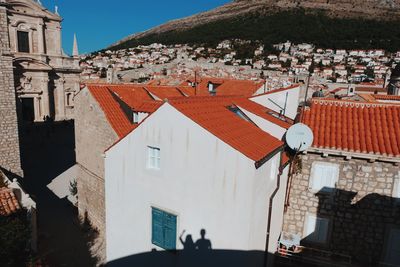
195	163
343	201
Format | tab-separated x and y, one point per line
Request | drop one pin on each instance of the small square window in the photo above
153	158
324	177
316	229
163	229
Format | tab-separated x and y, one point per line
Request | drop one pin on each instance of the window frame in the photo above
306	235
162	244
135	117
323	189
153	160
19	43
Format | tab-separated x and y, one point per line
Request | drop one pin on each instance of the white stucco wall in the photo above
277	214
265	125
202	180
279	98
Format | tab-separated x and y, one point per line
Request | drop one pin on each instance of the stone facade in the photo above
9	135
93	135
361	210
46	79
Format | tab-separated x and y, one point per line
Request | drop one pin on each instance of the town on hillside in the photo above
187	155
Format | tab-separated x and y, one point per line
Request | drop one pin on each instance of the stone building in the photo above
344	197
45	78
9	137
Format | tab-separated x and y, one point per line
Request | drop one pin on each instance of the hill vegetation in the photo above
296	25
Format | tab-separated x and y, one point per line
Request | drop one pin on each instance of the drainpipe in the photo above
271	201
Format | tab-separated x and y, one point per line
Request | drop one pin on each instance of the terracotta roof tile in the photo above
8	202
369	128
149	106
212	114
227	87
164	92
112	110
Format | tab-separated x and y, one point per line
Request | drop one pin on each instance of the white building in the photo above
195	163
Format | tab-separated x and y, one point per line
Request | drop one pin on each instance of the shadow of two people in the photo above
193	254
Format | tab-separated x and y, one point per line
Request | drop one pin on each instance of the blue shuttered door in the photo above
169	231
157	236
163	229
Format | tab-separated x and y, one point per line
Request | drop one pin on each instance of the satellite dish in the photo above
299	137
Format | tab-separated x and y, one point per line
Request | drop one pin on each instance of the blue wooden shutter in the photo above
157	236
169	231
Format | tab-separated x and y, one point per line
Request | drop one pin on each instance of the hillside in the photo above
340	23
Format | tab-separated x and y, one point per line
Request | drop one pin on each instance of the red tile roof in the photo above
371	89
360	127
163	92
149	106
227	87
112	110
8	202
132	95
377	98
212	114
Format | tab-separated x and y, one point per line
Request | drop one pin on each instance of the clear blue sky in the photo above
99	23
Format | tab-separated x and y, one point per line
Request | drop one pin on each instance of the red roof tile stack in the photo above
359	127
8	202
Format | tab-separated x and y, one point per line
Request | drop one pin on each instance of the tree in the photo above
14	240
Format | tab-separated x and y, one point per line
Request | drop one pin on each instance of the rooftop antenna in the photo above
283	109
56	10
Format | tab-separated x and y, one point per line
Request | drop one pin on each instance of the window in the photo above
135	117
239	113
316	229
153	160
163	229
23	41
323	177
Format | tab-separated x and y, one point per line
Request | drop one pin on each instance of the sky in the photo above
99	23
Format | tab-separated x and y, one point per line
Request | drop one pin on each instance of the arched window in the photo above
23	38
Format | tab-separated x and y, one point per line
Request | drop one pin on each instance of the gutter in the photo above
271	201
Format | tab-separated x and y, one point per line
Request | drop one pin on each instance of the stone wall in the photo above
93	135
361	210
9	136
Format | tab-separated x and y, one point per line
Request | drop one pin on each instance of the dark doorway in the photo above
28	109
